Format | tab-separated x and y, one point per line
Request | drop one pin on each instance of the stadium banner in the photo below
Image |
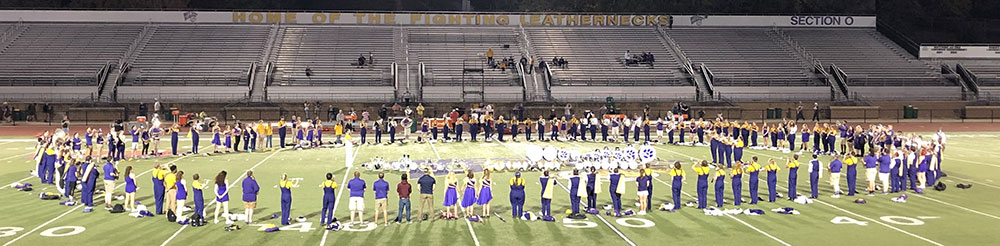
960	51
434	18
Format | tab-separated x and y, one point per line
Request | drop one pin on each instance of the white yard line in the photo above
858	215
15	156
19	181
620	234
734	217
237	181
973	181
970	162
70	211
471	231
957	206
336	200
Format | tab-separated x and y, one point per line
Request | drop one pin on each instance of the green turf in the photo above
953	217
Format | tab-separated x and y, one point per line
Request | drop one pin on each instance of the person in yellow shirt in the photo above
754	170
199	199
329	186
793	176
737	179
286	198
170	185
261	130
677	176
772	180
268	132
338	130
720	184
852	172
702	170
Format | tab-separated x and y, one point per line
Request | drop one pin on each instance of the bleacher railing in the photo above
251	75
709	79
969	77
102	77
840	78
524	85
420	81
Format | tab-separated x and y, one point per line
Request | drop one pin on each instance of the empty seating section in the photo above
866	57
743	56
447	51
331	53
594	56
63	54
987	71
209	55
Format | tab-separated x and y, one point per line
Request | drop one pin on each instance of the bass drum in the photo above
550	153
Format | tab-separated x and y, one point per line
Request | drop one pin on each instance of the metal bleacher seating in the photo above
868	58
198	55
331	54
987	71
447	51
744	56
62	54
594	56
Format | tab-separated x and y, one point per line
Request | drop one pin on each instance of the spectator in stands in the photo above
489	56
562	62
330	113
371	59
305	105
799	116
555	61
815	111
361	60
396	109
531	65
156	106
309	72
143	109
420	110
30	112
628	57
383	112
316	109
524	61
503	66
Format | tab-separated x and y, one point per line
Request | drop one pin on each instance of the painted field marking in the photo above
926	197
734	217
838	208
469	224
972	162
336	200
620	234
95	198
973	181
15	156
227	188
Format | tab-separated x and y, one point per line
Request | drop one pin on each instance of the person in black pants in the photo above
815	111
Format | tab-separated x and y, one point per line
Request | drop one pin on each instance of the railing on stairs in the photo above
102	77
968	78
709	78
394	70
840	79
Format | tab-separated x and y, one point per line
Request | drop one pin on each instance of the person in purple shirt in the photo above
871	162
835	166
884	166
357	201
110	175
381	188
71	179
250	190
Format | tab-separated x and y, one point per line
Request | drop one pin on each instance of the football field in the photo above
951	217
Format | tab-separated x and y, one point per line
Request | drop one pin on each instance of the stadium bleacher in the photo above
200	55
744	56
867	57
447	51
331	54
594	56
987	71
62	54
